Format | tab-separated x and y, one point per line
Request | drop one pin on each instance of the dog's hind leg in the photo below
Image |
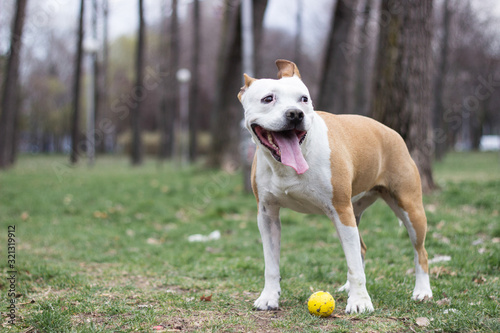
406	202
359	206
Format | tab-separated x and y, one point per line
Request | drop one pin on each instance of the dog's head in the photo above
279	113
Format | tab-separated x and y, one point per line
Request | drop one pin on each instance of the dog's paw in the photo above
359	304
422	288
422	294
267	301
345	287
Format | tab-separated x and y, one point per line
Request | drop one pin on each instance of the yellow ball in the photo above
321	304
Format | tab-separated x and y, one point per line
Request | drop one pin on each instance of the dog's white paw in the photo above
359	304
421	294
422	287
345	287
267	301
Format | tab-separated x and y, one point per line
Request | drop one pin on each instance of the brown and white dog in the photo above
320	163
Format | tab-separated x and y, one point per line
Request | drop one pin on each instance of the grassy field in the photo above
106	249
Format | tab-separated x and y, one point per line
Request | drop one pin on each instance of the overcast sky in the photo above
62	14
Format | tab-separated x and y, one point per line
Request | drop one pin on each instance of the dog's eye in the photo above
268	99
304	99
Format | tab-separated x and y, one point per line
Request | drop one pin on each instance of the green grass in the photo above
105	249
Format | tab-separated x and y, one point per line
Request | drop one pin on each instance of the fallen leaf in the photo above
477	242
115	209
431	208
441	238
469	209
100	215
215	235
30	302
213	250
444	301
67	199
153	241
206	298
479	279
440	225
441	270
437	259
423	321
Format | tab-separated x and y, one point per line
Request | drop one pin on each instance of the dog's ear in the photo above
248	81
286	68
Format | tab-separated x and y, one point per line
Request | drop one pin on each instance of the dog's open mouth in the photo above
284	146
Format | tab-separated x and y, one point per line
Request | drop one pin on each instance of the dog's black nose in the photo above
294	116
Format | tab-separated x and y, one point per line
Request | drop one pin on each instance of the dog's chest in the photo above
304	194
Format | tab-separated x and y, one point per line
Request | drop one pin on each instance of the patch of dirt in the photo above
255	321
244	321
98	319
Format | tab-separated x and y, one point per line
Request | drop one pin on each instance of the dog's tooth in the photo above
270	138
271	142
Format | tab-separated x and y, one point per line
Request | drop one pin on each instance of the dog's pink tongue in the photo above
291	154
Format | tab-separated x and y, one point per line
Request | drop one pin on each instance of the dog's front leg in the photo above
345	223
270	231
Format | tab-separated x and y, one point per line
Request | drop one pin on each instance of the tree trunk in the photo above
417	39
170	98
298	34
337	84
365	59
9	111
476	124
139	93
194	98
402	92
97	139
165	148
106	131
440	131
388	92
75	119
173	67
259	10
15	138
226	115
